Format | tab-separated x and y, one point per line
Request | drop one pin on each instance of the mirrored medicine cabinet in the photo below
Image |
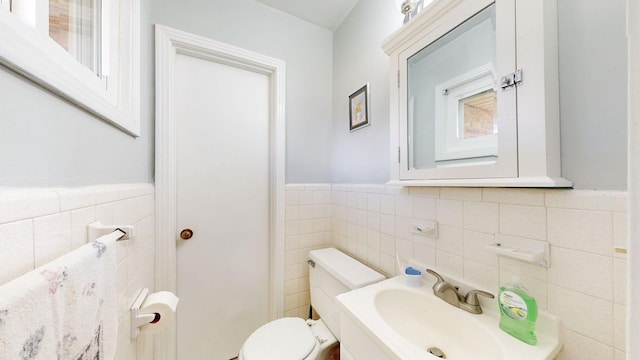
474	95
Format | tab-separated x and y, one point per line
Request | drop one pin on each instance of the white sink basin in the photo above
425	323
406	322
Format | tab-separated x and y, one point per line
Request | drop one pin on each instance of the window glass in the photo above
75	25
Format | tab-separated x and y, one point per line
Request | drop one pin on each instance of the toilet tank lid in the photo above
348	270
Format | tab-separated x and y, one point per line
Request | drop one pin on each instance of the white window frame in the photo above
449	144
39	58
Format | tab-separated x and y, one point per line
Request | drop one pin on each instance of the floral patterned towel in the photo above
64	310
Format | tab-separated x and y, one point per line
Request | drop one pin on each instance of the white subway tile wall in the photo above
38	225
585	285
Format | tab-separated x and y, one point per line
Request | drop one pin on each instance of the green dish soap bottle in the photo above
518	313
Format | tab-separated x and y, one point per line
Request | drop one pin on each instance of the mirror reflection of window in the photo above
478	115
452	105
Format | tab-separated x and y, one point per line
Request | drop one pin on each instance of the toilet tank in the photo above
332	273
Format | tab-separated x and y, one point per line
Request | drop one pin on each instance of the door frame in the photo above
169	43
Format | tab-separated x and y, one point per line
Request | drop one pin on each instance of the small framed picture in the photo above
359	108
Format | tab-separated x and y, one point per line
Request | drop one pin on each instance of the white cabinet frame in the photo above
535	145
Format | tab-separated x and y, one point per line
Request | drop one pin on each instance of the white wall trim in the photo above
170	42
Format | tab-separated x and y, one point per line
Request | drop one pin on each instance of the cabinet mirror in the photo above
458	119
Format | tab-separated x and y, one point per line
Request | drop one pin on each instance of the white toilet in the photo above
331	273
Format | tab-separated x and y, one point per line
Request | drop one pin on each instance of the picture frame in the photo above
359	108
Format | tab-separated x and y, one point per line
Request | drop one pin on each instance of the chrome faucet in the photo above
449	293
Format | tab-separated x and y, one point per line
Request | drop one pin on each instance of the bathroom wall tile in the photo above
104	213
587	200
363	200
317	187
403	228
388	204
339	212
320	211
373	220
388	265
523	268
52	237
404	206
584	314
577	346
387	224
584	230
474	243
450	212
134	190
292	197
306	197
305	212
373	257
419	191
533	197
352	199
376	188
16	242
387	244
450	264
322	197
362	251
620	234
525	221
424	208
20	204
291	287
404	249
75	198
79	220
339	197
481	216
455	193
579	265
373	202
424	254
107	194
580	271
620	281
620	325
450	239
292	242
373	239
362	217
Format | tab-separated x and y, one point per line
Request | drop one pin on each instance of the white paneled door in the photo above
223	197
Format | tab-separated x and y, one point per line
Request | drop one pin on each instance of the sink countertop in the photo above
360	306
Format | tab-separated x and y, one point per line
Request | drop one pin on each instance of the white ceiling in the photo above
327	14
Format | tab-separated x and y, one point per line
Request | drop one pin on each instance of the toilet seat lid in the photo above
286	338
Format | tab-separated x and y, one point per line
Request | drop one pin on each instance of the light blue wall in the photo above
362	156
305	48
45	141
592	92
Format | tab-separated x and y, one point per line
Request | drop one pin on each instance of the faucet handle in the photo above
472	296
440	278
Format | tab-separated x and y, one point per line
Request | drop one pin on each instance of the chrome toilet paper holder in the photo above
138	319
